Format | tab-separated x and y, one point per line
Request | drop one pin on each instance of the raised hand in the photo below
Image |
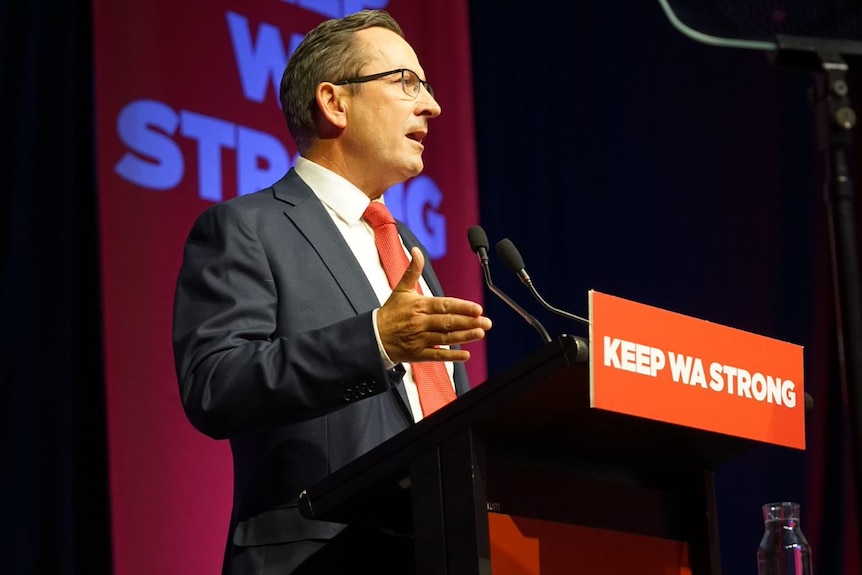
414	327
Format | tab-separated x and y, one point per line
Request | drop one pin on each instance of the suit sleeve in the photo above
239	367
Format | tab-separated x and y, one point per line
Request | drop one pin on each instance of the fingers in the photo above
449	317
417	328
451	306
411	276
408	346
414	327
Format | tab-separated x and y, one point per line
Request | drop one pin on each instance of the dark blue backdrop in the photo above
622	156
614	152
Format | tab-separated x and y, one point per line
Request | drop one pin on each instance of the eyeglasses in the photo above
411	83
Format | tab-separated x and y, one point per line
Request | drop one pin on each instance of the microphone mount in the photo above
479	244
510	255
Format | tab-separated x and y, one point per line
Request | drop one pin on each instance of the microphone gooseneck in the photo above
513	260
479	244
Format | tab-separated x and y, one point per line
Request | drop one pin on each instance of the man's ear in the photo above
332	102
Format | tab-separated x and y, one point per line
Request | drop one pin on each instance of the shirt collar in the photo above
342	197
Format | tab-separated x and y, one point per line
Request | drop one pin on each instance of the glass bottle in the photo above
783	549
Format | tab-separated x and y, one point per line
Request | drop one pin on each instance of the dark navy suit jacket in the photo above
275	351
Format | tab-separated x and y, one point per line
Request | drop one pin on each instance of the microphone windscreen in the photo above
477	238
510	255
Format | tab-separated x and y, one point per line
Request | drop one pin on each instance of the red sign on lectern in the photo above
665	366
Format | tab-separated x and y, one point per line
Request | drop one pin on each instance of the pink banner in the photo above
188	115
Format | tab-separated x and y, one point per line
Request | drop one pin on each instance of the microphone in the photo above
479	244
513	260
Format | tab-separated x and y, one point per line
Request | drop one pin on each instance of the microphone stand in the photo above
837	120
511	303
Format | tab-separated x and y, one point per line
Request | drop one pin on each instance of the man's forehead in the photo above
385	46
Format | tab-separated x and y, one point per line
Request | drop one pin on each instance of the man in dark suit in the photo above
289	340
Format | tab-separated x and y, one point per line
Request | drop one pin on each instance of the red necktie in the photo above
432	379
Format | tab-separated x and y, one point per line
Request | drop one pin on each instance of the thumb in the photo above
410	279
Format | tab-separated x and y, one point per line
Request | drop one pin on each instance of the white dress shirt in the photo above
346	203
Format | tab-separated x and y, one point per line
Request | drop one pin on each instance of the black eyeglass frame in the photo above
371	77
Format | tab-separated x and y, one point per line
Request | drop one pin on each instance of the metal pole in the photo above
838	121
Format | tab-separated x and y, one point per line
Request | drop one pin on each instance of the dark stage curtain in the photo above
54	510
616	154
622	156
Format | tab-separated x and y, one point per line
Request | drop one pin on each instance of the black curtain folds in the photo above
616	154
54	510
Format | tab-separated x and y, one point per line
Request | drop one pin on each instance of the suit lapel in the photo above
310	217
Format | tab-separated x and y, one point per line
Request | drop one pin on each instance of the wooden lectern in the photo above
527	443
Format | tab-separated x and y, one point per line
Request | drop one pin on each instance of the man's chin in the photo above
415	168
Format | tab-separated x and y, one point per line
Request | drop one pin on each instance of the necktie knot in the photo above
377	214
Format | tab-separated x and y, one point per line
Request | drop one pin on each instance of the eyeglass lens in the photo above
412	83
